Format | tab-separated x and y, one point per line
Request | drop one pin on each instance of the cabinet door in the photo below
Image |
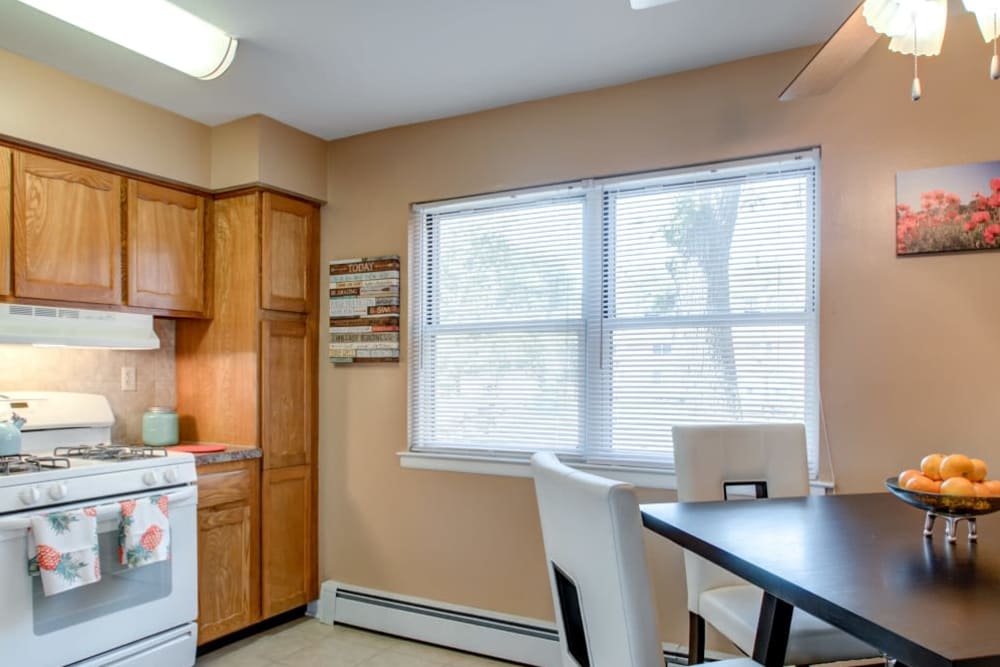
67	231
166	248
288	233
289	540
228	549
286	387
5	205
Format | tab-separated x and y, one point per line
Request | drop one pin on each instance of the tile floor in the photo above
307	642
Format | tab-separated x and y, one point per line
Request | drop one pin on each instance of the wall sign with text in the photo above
364	310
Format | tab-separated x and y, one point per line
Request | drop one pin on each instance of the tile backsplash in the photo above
23	367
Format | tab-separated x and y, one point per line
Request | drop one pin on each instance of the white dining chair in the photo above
597	569
728	462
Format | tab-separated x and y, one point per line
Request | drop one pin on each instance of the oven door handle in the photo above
104	512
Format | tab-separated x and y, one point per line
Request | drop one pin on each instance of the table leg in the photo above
771	642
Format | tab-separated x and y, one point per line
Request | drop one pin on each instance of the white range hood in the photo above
73	327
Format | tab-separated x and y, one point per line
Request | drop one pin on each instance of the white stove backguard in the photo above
43	442
60	409
59	418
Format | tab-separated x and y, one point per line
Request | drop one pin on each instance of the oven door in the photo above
125	606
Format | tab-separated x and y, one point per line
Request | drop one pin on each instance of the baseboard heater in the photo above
516	639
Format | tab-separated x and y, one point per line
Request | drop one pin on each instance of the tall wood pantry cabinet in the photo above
249	376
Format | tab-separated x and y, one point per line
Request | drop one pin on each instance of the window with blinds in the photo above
590	318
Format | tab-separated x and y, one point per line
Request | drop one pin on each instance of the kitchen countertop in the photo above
232	453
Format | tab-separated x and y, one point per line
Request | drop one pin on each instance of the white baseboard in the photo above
525	640
528	641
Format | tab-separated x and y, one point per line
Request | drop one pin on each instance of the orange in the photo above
981	490
921	483
993	486
957	486
906	476
930	465
937	485
956	465
978	470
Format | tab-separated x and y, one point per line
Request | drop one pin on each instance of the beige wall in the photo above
236	153
23	367
258	149
292	160
907	345
46	107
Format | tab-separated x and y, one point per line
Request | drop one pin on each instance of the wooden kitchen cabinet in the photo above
249	376
288	359
67	231
288	544
166	248
228	548
288	229
5	226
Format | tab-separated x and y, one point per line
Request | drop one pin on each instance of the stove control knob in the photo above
30	496
57	491
149	478
170	476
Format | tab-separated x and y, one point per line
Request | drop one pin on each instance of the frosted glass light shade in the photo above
987	14
646	4
156	29
915	26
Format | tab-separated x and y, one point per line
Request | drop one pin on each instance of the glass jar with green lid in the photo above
159	426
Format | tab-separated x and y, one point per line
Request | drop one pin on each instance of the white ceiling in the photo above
334	68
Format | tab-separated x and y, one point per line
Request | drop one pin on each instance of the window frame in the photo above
654	472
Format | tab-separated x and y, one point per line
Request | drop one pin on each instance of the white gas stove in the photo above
142	616
66	456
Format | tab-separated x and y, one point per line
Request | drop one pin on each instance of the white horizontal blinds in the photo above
709	305
501	334
591	318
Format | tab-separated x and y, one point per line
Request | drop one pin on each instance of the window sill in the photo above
648	478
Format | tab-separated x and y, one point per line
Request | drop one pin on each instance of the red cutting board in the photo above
199	449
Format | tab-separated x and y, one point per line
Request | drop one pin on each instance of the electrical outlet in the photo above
128	378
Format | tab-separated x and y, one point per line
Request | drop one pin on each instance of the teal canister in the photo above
159	426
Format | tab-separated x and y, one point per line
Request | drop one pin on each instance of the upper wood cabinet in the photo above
288	229
287	367
5	227
166	248
67	231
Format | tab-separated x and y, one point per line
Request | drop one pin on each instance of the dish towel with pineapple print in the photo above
144	534
63	549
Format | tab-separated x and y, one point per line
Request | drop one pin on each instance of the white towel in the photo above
63	549
145	531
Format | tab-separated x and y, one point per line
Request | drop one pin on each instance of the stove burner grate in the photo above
105	452
19	463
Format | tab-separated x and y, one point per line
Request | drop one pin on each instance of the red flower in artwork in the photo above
979	217
991	233
944	222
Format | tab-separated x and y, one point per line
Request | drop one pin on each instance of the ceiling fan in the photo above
916	27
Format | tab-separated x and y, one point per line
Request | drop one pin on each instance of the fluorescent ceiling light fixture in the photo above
156	29
646	4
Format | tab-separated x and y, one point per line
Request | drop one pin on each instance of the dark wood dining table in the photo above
859	562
